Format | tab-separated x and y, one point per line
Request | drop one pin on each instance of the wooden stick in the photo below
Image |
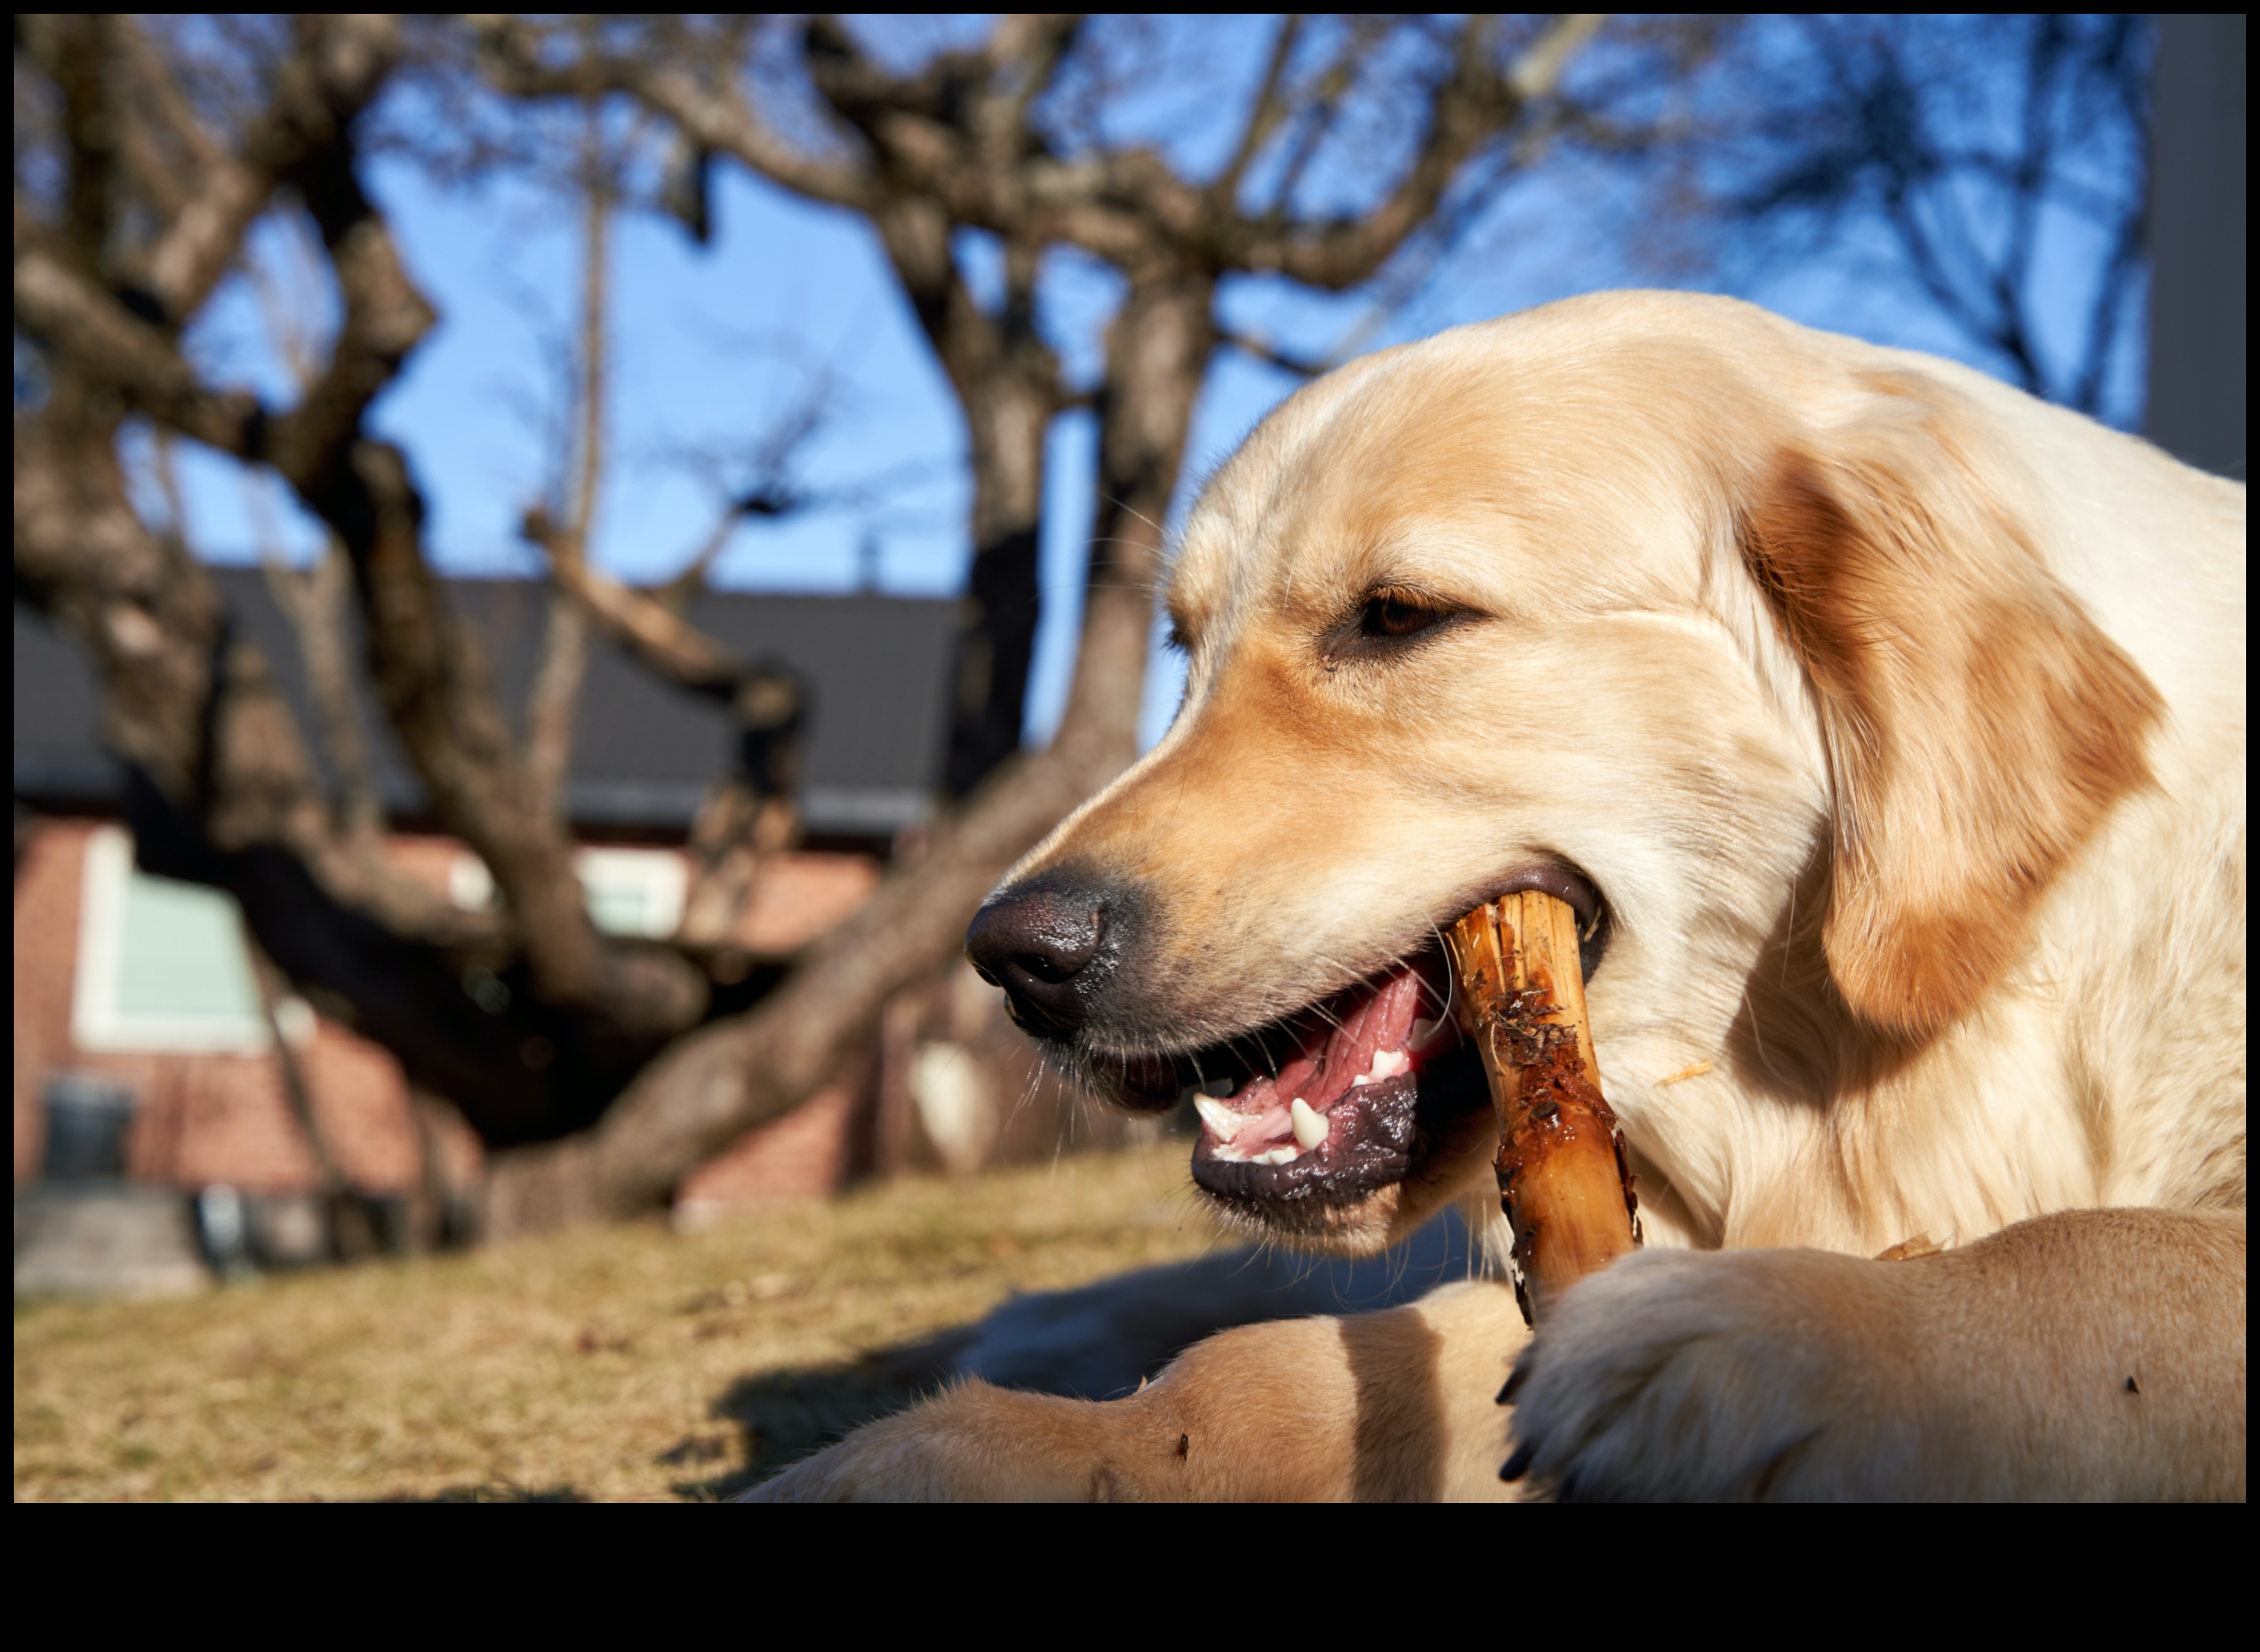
1563	1178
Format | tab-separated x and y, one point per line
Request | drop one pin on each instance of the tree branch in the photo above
1249	344
315	603
1264	116
339	63
1317	117
661	639
1474	103
59	305
1023	53
748	815
679	86
553	709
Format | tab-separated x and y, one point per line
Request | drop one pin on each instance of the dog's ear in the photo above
1978	723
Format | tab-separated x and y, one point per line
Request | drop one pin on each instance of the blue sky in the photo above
713	347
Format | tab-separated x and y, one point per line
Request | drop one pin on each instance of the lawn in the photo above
628	1363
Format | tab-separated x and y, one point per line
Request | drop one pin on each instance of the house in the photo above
144	1049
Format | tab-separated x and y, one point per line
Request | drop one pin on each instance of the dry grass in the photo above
628	1363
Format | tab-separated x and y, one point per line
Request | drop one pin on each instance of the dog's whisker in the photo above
1028	1092
1124	504
1451	976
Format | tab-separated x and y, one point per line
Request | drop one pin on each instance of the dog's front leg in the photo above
1392	1407
2089	1354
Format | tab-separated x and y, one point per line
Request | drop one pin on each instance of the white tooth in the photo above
1277	1155
1310	1128
1387	1063
1221	1120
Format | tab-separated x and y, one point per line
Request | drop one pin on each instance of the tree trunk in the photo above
718	1083
996	642
220	787
1007	382
1157	352
1009	396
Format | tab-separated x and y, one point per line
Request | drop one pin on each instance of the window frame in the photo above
99	1023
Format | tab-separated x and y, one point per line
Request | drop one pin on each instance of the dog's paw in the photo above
973	1444
837	1474
1729	1376
909	1458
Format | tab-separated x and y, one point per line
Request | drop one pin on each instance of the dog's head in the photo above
1660	605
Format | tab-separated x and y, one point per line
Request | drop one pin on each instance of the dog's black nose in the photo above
1035	943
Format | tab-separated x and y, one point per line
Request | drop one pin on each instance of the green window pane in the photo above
616	908
182	953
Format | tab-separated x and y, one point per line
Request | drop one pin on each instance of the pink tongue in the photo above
1327	1067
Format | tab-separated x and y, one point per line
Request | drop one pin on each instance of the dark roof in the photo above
646	751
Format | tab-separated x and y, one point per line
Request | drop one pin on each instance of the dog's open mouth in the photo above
1332	1104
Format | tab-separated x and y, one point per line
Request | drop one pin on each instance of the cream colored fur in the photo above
1900	719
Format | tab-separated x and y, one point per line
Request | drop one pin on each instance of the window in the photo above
629	891
632	891
162	965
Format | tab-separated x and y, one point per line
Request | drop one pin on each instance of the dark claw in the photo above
1518	1464
1515	1379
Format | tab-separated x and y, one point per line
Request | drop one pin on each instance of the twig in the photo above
1249	344
553	706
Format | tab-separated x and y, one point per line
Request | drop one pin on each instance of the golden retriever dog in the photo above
1884	726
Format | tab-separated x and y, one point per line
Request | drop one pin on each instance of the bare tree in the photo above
971	140
1984	157
749	812
553	707
143	159
147	151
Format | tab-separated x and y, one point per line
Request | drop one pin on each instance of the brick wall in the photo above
206	1118
202	1117
805	1155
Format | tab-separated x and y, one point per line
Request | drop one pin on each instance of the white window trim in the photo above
96	1022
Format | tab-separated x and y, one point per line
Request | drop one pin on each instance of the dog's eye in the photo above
1399	614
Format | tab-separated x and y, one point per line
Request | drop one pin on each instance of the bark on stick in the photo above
1563	1178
